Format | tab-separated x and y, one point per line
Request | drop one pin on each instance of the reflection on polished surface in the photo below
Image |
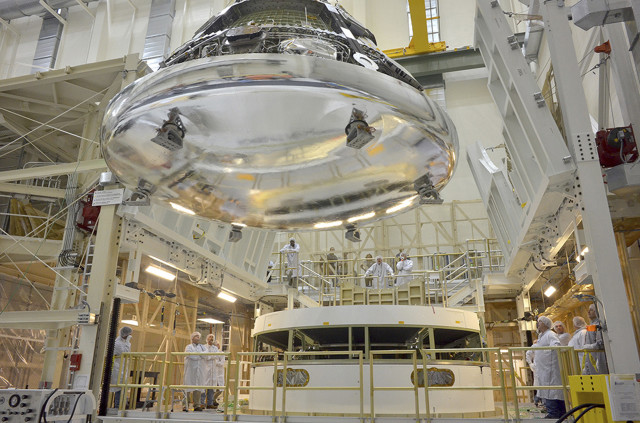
279	140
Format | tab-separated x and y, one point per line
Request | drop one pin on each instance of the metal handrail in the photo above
372	388
360	388
224	387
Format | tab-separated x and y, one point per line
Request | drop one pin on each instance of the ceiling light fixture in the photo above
550	291
227	297
160	273
133	321
211	321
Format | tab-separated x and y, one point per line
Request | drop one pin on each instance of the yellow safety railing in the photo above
135	367
224	388
273	388
285	388
415	388
566	358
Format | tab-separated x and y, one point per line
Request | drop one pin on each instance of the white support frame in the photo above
528	205
602	260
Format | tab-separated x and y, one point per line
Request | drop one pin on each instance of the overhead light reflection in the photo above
324	225
129	322
182	209
403	205
361	217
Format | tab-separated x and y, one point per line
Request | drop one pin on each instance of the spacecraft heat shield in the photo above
308	135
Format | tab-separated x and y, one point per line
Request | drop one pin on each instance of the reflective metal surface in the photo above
260	139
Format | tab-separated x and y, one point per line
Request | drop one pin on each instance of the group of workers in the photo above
378	271
203	370
545	364
199	370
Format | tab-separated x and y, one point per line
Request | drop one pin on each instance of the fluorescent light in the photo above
160	273
240	225
403	205
182	209
166	263
549	292
211	321
578	259
585	250
361	217
323	225
504	351
227	297
130	322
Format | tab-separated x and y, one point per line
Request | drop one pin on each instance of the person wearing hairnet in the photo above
404	266
210	378
563	336
548	369
118	375
380	270
579	342
194	370
595	341
292	250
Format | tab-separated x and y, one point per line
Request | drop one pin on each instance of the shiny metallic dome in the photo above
281	115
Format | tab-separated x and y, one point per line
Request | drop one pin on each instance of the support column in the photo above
602	259
93	339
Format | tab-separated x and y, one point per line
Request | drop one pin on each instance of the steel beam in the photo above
45	319
31	190
53	170
26	248
602	260
93	342
426	65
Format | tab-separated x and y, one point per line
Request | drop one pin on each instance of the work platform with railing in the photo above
447	279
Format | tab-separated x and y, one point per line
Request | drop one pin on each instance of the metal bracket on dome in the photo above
352	234
358	131
172	132
235	234
142	194
427	192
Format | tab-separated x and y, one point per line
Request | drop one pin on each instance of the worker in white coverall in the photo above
292	250
579	342
563	336
379	270
404	266
194	370
118	375
548	369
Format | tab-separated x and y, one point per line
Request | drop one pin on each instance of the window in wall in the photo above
433	20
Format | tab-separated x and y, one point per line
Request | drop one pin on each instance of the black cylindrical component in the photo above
108	363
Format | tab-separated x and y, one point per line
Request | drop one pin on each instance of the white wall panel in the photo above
17	51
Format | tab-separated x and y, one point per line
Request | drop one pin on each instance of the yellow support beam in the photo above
419	43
